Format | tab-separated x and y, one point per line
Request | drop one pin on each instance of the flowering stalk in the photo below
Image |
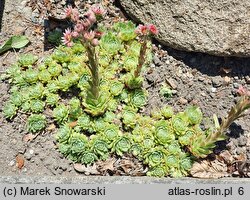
88	38
93	66
202	146
144	32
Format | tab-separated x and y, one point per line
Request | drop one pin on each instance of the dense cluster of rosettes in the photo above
99	73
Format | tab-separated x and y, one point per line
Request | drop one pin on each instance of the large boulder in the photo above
217	27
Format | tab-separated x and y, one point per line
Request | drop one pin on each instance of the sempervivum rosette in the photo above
180	123
60	113
194	115
36	122
158	171
154	157
137	98
121	145
37	105
88	157
116	88
111	133
63	134
99	146
163	132
96	107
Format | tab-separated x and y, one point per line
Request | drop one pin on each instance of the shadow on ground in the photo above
2	3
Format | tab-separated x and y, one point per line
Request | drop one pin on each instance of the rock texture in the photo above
217	27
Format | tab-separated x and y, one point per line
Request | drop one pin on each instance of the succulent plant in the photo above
129	117
37	105
173	148
88	157
75	109
84	121
64	82
54	69
99	146
54	37
133	82
137	98
60	113
110	43
16	99
36	91
36	122
9	110
137	151
185	139
167	112
31	76
180	123
25	107
163	132
26	60
63	134
116	88
194	115
52	86
126	30
52	99
111	133
121	145
158	171
98	106
154	157
171	161
78	142
60	55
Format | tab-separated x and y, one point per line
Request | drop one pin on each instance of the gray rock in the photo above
214	27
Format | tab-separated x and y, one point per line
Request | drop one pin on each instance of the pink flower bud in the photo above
141	30
243	91
67	37
89	35
98	34
152	29
75	34
95	42
75	15
68	11
79	27
90	16
98	10
86	23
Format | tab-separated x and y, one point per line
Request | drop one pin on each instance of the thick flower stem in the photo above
141	57
93	66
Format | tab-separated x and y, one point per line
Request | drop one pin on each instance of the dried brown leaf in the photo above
226	156
89	169
209	169
29	137
227	79
19	161
226	70
51	127
106	165
72	124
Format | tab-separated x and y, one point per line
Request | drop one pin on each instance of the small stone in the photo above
242	141
213	90
183	101
172	83
247	79
216	81
156	60
12	163
236	85
201	78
